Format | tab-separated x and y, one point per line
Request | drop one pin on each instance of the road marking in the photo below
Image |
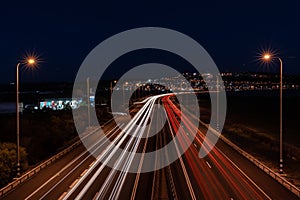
74	182
53	177
62	196
65	167
245	174
57	174
207	126
208	164
187	179
92	163
63	178
83	172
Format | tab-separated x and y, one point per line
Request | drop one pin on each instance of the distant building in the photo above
60	103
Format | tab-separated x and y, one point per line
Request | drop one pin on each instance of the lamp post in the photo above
126	83
268	57
88	101
29	62
218	101
111	86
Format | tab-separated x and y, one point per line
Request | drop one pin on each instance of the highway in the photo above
222	174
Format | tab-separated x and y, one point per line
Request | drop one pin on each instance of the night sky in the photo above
64	32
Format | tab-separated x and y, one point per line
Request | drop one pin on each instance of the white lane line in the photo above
74	182
106	155
129	160
207	126
195	145
131	146
187	179
82	161
141	164
83	172
245	174
57	174
53	177
63	169
208	164
110	150
62	196
92	163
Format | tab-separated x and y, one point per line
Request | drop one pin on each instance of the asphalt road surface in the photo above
222	174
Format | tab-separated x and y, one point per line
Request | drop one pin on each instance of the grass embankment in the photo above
266	149
252	123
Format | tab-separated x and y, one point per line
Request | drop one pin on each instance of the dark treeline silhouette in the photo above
42	135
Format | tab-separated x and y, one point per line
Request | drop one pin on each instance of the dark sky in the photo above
64	32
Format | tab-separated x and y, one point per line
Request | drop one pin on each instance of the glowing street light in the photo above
30	62
111	86
269	57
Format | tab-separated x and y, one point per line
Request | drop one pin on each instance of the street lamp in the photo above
88	100
269	57
29	62
126	83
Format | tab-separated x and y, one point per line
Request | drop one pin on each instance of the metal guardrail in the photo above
35	170
294	189
266	169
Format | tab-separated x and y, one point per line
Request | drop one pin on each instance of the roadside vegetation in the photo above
252	123
42	135
8	162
